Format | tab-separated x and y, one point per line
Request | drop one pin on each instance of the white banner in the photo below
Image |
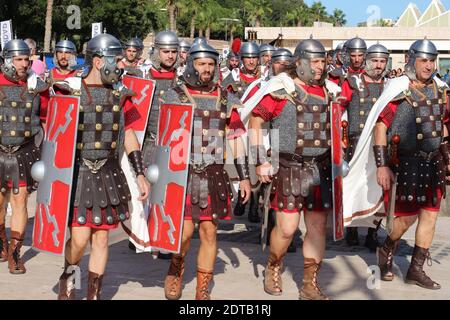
6	31
96	28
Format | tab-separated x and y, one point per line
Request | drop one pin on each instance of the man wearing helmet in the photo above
336	71
232	63
100	190
184	49
22	97
301	181
361	91
239	80
281	60
216	123
265	55
163	70
412	127
64	60
133	53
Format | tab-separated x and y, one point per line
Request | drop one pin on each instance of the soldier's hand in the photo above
385	177
246	190
144	187
264	172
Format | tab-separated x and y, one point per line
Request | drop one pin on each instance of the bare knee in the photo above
208	233
100	240
287	230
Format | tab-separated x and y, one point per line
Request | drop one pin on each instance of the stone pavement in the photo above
239	270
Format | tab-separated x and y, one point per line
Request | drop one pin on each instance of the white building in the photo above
433	23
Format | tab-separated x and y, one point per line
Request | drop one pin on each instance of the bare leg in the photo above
99	251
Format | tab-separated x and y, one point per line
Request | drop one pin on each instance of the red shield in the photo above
136	113
169	177
56	175
337	169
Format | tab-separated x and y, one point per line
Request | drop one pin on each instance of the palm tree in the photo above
257	10
299	16
190	8
319	11
48	26
338	18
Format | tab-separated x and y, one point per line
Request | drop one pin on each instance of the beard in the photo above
206	77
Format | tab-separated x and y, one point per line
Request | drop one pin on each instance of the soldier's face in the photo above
279	66
266	58
250	63
318	66
425	68
63	59
21	63
339	57
234	63
379	65
356	60
206	68
183	56
131	54
168	57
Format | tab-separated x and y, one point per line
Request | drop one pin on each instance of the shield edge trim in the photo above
334	173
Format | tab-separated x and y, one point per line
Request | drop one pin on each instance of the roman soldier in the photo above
22	96
337	72
354	56
238	82
233	61
301	181
133	54
64	60
281	60
412	150
361	91
209	190
163	70
184	49
100	190
266	52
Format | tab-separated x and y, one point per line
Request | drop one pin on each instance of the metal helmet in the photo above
135	43
419	49
338	50
107	47
197	51
13	48
356	45
376	51
265	49
282	54
66	46
199	40
164	40
249	50
350	46
305	51
185	46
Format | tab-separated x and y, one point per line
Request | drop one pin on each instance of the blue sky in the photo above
356	11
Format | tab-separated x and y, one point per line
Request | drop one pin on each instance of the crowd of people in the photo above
395	127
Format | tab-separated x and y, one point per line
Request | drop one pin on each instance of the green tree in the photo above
299	16
319	11
338	18
256	10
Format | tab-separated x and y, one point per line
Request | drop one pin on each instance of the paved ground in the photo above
239	270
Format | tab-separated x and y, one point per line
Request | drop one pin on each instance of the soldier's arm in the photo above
384	174
445	150
134	153
257	150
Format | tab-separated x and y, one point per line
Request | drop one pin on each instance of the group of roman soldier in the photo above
289	92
